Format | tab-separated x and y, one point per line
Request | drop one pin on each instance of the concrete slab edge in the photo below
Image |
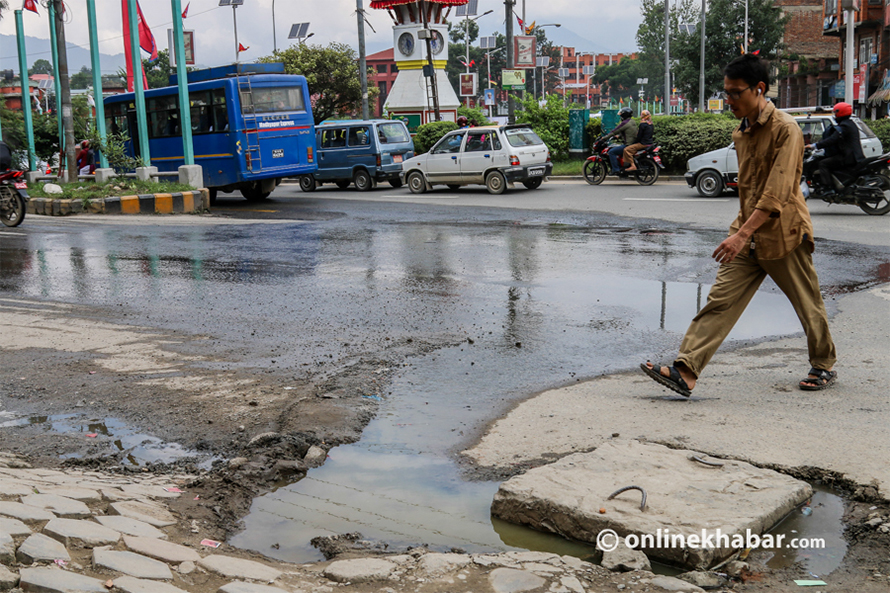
187	202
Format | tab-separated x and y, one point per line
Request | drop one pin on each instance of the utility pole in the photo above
428	35
362	61
511	107
701	82
848	58
65	99
667	57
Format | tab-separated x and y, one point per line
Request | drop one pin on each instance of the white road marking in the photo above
676	199
10	233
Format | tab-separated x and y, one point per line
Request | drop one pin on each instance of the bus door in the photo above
134	132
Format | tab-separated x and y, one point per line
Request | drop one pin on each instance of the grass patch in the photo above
88	190
573	167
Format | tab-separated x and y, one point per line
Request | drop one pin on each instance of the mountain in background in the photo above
39	49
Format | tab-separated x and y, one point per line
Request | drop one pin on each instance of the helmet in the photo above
625	112
462	121
843	110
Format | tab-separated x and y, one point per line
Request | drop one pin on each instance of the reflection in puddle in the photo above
136	448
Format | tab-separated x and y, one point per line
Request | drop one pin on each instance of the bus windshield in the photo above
273	100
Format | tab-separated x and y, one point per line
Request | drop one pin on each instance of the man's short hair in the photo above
750	68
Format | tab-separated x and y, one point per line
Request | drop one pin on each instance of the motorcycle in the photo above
867	185
598	165
13	190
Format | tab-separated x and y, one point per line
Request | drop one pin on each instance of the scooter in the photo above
867	185
598	165
13	190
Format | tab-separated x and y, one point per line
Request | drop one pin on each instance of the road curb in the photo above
187	202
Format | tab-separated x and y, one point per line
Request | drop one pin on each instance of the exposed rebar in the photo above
625	489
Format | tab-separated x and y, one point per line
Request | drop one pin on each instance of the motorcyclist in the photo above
463	122
627	130
843	149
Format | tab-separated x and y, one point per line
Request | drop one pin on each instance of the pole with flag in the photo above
31	5
26	90
97	79
185	115
131	33
57	81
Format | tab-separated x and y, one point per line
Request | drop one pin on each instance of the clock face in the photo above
437	43
406	44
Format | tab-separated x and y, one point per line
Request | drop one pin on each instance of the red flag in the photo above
241	48
127	47
185	13
520	22
31	5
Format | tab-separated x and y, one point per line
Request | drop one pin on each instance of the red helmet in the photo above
843	110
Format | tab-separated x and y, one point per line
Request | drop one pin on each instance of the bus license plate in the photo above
397	158
278	153
535	172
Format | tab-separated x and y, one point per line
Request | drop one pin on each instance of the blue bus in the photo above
252	126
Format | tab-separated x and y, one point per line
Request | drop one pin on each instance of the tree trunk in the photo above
65	99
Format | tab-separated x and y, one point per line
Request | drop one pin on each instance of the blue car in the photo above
359	152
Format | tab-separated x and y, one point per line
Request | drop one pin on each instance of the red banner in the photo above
146	42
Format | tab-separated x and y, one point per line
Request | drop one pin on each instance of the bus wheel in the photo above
307	183
396	183
253	192
362	180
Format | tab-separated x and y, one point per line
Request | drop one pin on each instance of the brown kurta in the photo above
770	153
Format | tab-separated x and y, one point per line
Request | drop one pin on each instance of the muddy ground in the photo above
217	411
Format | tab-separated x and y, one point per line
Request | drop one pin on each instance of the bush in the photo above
682	138
474	115
429	134
594	129
881	128
550	122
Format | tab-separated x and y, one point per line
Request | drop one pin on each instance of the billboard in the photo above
468	84
513	79
189	39
524	50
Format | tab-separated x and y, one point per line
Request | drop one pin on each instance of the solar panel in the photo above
468	9
298	31
488	42
231	2
542	62
563	72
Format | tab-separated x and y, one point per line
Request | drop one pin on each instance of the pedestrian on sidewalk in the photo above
772	236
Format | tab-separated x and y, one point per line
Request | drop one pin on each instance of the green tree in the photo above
332	73
41	67
157	73
83	79
650	38
550	121
724	28
620	80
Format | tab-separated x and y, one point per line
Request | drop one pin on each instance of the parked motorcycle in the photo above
13	190
866	185
598	166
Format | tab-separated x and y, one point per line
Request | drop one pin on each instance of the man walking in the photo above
772	236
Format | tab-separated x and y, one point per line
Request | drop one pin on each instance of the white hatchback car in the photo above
490	155
713	172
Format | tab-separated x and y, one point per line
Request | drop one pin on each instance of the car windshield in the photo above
523	137
392	133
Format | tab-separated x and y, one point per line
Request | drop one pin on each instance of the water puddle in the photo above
136	448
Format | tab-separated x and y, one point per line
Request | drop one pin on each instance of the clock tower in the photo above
410	98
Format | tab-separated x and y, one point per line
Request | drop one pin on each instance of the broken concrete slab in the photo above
54	580
24	512
512	580
131	564
435	564
10	490
134	585
74	493
14	527
663	583
80	534
7	549
130	526
67	508
41	548
160	549
248	588
150	490
359	570
624	559
8	579
238	568
684	498
154	515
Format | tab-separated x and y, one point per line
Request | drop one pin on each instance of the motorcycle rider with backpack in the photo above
843	149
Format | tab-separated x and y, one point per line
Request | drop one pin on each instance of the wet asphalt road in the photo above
517	294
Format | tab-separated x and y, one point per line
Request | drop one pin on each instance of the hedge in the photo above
429	134
881	128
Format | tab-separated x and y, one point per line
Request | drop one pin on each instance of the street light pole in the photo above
274	36
667	57
362	61
235	19
701	80
746	26
511	108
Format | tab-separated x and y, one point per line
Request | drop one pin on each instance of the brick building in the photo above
385	72
810	76
577	84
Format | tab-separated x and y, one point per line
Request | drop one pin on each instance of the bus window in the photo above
202	120
220	111
163	117
273	100
359	136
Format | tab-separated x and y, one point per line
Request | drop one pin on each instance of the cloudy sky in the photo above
589	25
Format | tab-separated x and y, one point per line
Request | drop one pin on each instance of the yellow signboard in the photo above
715	104
513	78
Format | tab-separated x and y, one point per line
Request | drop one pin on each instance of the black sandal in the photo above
675	382
822	380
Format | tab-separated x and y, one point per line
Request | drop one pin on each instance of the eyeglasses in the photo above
734	95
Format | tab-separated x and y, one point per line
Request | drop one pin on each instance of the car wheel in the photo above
307	183
495	182
416	182
396	183
343	183
709	184
454	186
362	180
533	183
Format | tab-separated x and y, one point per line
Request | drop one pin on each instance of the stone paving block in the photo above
160	549
115	495
54	580
7	549
248	588
154	515
134	585
511	580
81	534
10	490
41	548
131	564
238	568
63	507
150	490
14	527
8	579
24	512
72	492
359	570
130	526
684	496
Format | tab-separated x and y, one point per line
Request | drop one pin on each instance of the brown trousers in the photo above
733	289
630	151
